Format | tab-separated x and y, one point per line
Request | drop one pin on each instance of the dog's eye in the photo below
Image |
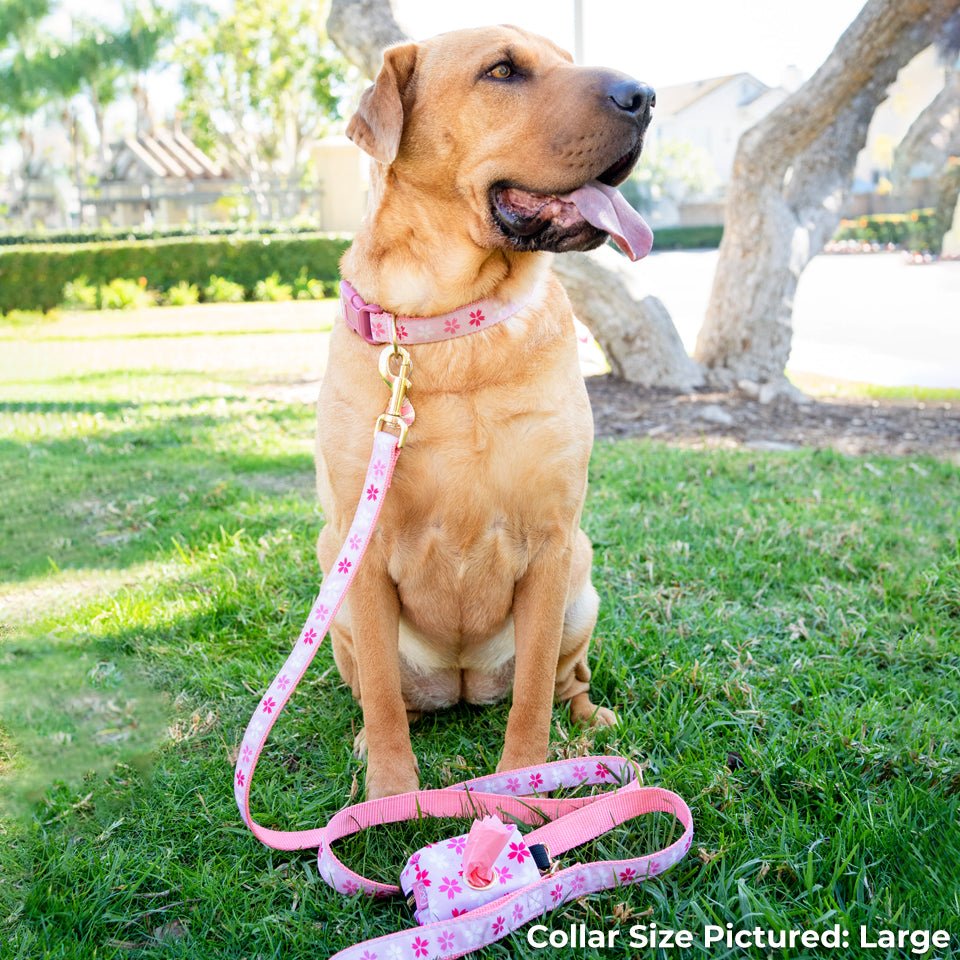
502	71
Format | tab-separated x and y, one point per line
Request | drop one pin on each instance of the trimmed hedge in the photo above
916	230
686	238
109	234
33	277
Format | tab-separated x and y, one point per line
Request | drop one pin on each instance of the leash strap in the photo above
561	824
386	449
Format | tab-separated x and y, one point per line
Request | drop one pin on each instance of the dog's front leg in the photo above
375	624
539	601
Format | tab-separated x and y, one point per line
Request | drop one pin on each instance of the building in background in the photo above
710	115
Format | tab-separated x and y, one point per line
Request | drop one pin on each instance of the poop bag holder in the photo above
449	878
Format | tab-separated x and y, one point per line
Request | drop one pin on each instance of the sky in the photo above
667	41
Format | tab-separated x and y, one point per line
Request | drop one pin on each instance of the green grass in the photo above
780	634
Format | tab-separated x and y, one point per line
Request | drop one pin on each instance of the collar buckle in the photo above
357	312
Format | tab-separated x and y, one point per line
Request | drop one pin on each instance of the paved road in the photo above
870	318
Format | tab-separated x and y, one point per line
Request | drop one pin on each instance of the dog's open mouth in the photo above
575	220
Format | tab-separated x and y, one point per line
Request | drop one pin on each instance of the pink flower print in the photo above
602	772
283	682
557	893
415	859
423	876
420	947
577	883
247	753
458	912
444	941
518	852
379	469
513	784
269	704
498	925
654	867
628	875
323	611
367	955
457	844
344	566
372	492
350	887
241	778
503	874
450	887
379	329
354	542
401	332
476	318
451	326
580	771
518	912
536	780
310	636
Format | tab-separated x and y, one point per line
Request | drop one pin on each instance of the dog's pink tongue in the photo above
607	209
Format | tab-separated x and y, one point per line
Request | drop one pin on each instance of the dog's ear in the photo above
377	125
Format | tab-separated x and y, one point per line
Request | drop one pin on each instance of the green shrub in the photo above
79	294
916	230
107	234
306	288
222	290
183	294
687	238
33	277
122	294
272	290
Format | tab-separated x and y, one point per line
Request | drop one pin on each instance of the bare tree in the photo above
790	174
636	333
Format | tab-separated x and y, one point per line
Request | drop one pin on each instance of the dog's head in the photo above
503	122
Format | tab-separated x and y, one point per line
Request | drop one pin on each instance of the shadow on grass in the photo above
115	494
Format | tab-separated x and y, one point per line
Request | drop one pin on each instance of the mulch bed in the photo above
853	426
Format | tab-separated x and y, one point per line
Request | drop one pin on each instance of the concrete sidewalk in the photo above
870	317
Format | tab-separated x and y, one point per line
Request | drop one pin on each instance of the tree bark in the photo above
934	138
637	334
362	29
635	331
791	172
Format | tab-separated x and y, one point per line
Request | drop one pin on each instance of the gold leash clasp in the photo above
399	384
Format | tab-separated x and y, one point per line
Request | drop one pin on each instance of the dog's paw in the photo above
589	714
360	744
387	780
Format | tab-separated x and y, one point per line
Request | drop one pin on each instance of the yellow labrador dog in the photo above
477	579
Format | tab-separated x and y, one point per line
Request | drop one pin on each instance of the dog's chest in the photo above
475	506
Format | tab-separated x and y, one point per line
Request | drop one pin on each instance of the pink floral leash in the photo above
525	877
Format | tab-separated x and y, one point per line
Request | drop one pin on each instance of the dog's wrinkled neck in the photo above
432	262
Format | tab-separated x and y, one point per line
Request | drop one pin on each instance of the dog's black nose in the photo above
633	96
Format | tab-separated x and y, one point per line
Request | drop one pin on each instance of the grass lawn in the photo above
781	636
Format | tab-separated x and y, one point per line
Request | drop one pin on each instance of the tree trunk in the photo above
637	335
791	172
362	29
948	194
635	331
934	138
